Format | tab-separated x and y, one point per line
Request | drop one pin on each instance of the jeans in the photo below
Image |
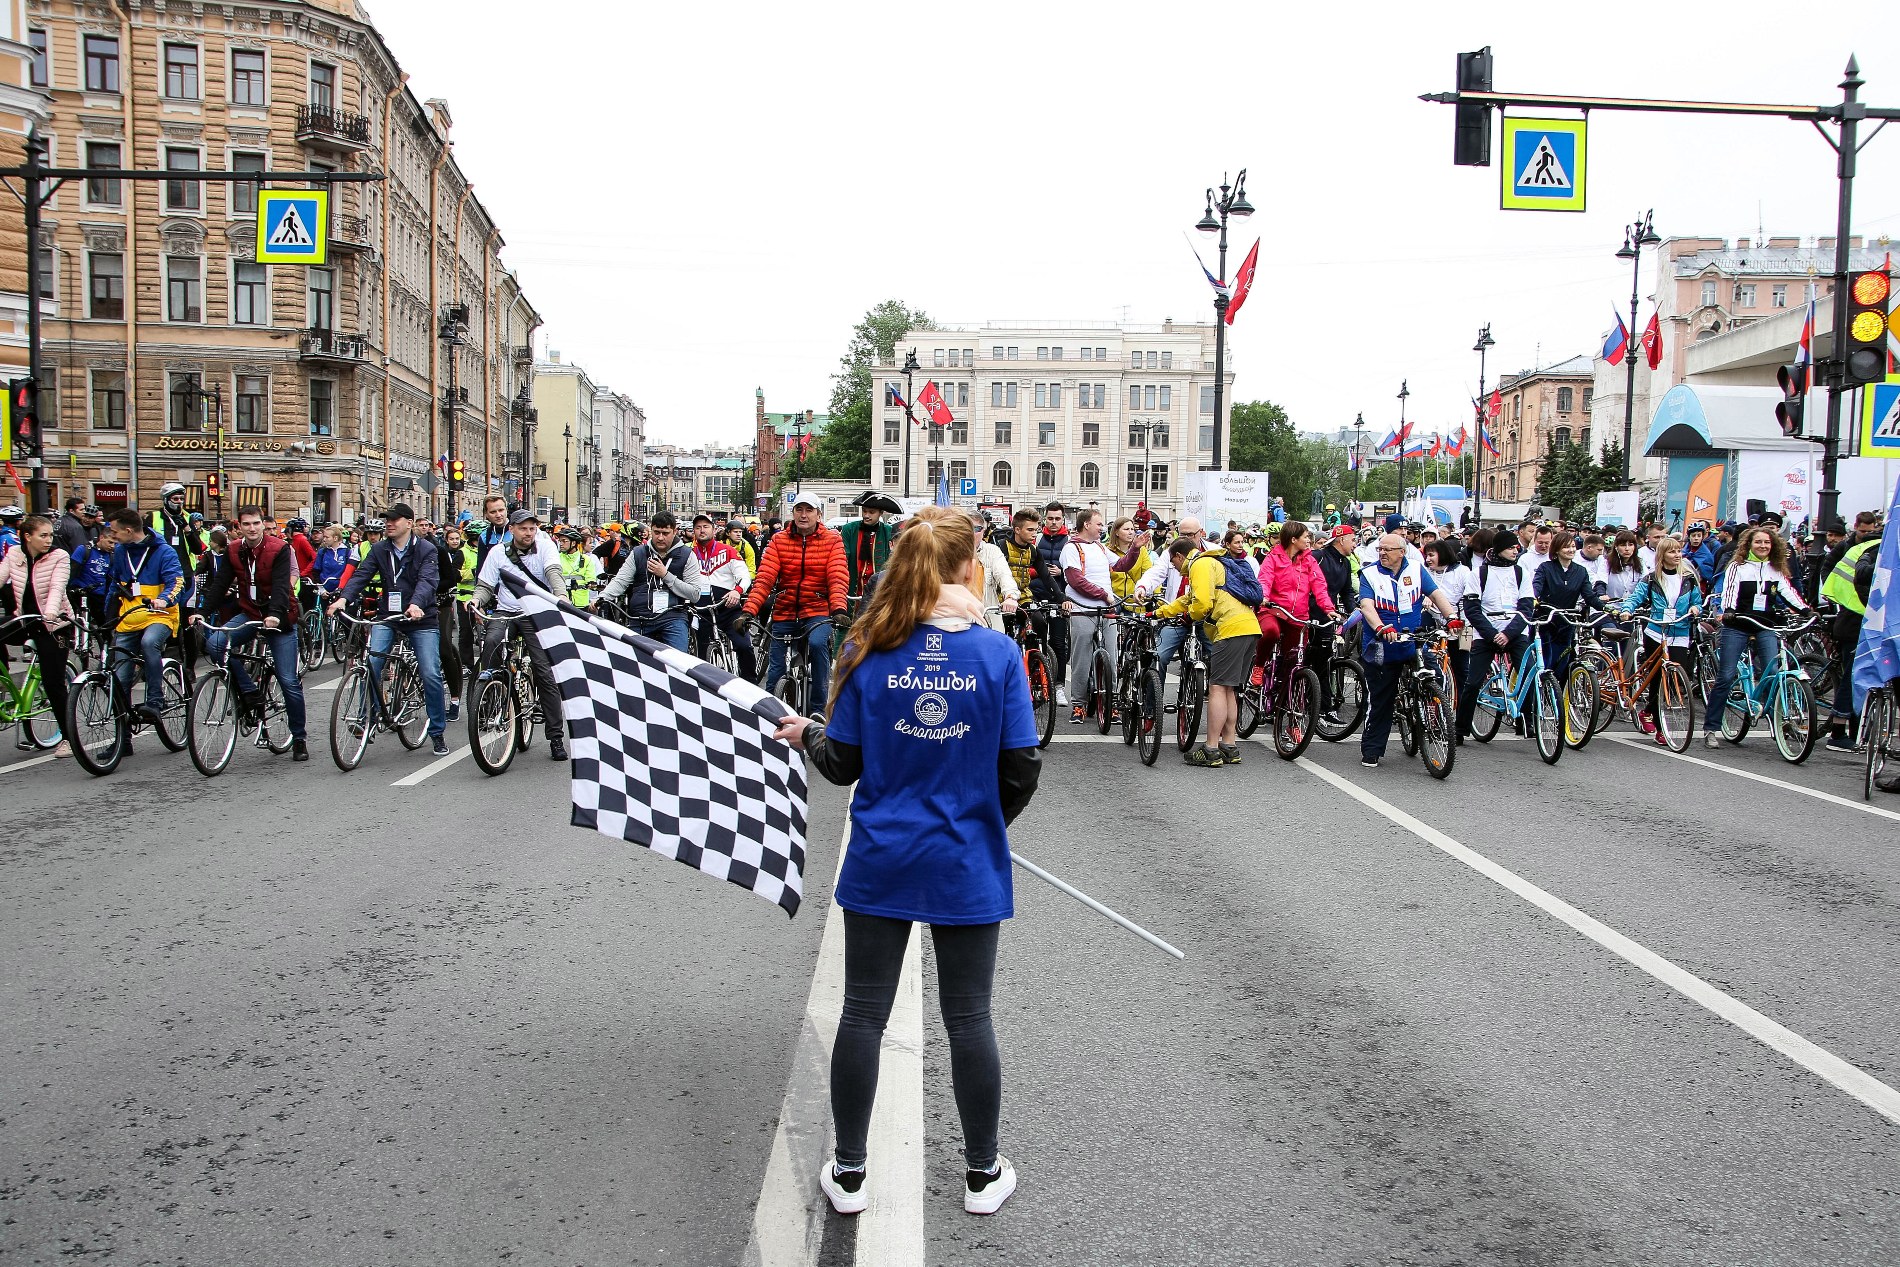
1846	638
149	643
494	638
1382	693
1081	655
283	656
966	969
52	657
672	630
446	619
1734	638
425	641
1478	668
816	630
728	618
1167	649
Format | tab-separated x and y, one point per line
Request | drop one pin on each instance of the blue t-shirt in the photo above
927	835
1400	601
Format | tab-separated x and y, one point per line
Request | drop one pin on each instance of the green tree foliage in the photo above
844	450
1572	479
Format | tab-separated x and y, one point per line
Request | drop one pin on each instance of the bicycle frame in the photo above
1759	692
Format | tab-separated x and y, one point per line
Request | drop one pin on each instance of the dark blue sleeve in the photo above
427	570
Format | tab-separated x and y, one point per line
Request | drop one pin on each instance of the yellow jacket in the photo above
1122	584
1204	598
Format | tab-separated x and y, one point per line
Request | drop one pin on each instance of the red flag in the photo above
1494	406
15	477
932	401
1652	340
1243	282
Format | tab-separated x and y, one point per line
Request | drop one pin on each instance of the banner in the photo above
1214	497
1617	509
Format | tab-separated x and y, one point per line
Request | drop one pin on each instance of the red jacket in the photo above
808	573
305	554
1293	584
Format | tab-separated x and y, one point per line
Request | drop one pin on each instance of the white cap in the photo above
807	499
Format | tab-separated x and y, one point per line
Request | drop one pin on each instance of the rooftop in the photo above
1575	367
1781	257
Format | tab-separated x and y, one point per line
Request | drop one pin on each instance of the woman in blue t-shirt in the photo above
930	717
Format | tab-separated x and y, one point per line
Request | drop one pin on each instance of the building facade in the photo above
322	391
781	440
24	108
564	402
1542	411
1073	412
687	481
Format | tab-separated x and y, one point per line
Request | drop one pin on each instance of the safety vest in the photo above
1839	585
579	568
471	564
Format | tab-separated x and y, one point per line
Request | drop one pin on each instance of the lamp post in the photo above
1231	202
620	485
528	416
798	441
910	367
1636	236
1358	452
593	476
567	466
1477	465
1403	393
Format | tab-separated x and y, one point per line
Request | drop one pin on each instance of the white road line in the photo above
1816	793
1866	1088
434	768
331	685
27	764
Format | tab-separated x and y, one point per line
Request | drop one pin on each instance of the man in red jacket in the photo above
803	570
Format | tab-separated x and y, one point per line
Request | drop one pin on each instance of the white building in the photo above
1045	410
620	430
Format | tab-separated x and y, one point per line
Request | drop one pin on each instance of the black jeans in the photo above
1382	693
966	966
494	638
1478	669
446	616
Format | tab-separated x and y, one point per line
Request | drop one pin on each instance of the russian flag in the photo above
1391	441
1352	458
1804	350
1456	448
1490	445
1617	345
1417	449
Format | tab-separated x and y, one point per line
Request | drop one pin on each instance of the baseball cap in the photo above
1343	530
523	516
399	510
703	518
807	499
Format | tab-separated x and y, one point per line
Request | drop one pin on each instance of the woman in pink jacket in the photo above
1290	579
37	574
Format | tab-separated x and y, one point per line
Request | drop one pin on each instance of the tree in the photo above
1571	480
843	452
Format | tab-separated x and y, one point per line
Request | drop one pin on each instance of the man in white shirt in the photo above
528	558
1538	552
1086	564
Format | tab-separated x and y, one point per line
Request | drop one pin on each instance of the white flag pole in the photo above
1092	904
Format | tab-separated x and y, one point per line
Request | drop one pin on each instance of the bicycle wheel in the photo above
275	717
1102	692
412	718
336	638
526	707
1128	704
177	704
1042	698
1438	725
1876	719
1408	734
211	723
1735	715
95	724
1547	714
1247	710
1675	706
1490	714
1348	696
352	710
1581	701
1149	738
1708	667
1792	713
491	723
1293	724
1187	712
310	640
42	729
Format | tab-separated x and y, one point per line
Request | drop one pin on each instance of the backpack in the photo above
1243	583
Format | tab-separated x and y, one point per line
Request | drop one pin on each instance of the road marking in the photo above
791	1217
1866	1088
28	763
1816	793
331	685
434	768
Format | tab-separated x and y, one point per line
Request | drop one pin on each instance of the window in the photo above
890	470
101	192
1589	394
890	432
1158	437
1148	396
969	358
1009	395
1154	360
1045	475
1134	360
184	289
1046	433
323	85
37	39
960	432
996	353
937	357
322	284
1088	354
1167	360
1134	395
48	265
1207	435
105	287
246	495
1517	408
1167	397
182	195
1101	354
102	63
1207	405
1157	479
1012	355
1560	440
1708	294
1000	475
1091	435
963	395
1745	295
934	472
1136	471
252	406
1778	297
108	400
181	72
996	395
1004	430
184	402
322	406
1055	354
250	294
1564	400
1042	354
247	77
1091	476
244	193
959	471
1042	395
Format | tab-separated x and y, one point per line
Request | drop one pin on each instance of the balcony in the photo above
524	354
349	233
330	347
331	128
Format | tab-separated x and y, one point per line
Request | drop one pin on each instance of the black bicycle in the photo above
1345	709
1426	715
1139	697
1099	695
503	706
1192	697
1293	704
100	718
368	702
1037	665
216	717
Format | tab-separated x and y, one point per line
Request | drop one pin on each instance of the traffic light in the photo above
214	484
23	417
1864	351
1471	144
1794	391
457	472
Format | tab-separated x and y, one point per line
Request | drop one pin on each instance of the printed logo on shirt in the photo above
931	709
933	642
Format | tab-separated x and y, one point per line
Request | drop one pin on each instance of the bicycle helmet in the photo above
11	514
170	489
372	525
296	525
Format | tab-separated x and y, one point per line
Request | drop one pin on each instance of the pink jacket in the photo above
1289	582
49	583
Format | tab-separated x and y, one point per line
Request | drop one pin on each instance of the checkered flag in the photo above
674	754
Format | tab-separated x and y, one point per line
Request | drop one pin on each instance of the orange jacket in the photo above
808	573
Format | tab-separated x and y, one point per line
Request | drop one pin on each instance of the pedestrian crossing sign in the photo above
293	226
1544	164
1880	419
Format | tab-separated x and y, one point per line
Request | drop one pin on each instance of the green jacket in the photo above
1839	585
879	549
471	563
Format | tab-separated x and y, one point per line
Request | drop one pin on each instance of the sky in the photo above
703	200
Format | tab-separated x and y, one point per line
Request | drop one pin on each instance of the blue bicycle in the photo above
1784	694
1529	693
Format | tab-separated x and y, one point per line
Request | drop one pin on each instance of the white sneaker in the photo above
845	1188
996	1187
1062	697
1712	740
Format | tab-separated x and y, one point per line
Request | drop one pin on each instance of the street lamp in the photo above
1231	202
567	466
1636	236
528	415
1358	452
620	485
1477	468
1403	393
910	367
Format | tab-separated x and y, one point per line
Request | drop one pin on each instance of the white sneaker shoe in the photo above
1712	740
1062	697
845	1188
984	1193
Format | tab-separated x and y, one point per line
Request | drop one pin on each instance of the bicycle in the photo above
1294	707
1345	687
1582	694
794	688
26	704
311	627
1035	651
100	719
1533	698
719	649
1618	687
1192	697
1427	715
1879	733
1099	694
1783	694
1139	699
364	706
504	707
214	720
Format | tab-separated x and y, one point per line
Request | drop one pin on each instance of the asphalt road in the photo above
295	1016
